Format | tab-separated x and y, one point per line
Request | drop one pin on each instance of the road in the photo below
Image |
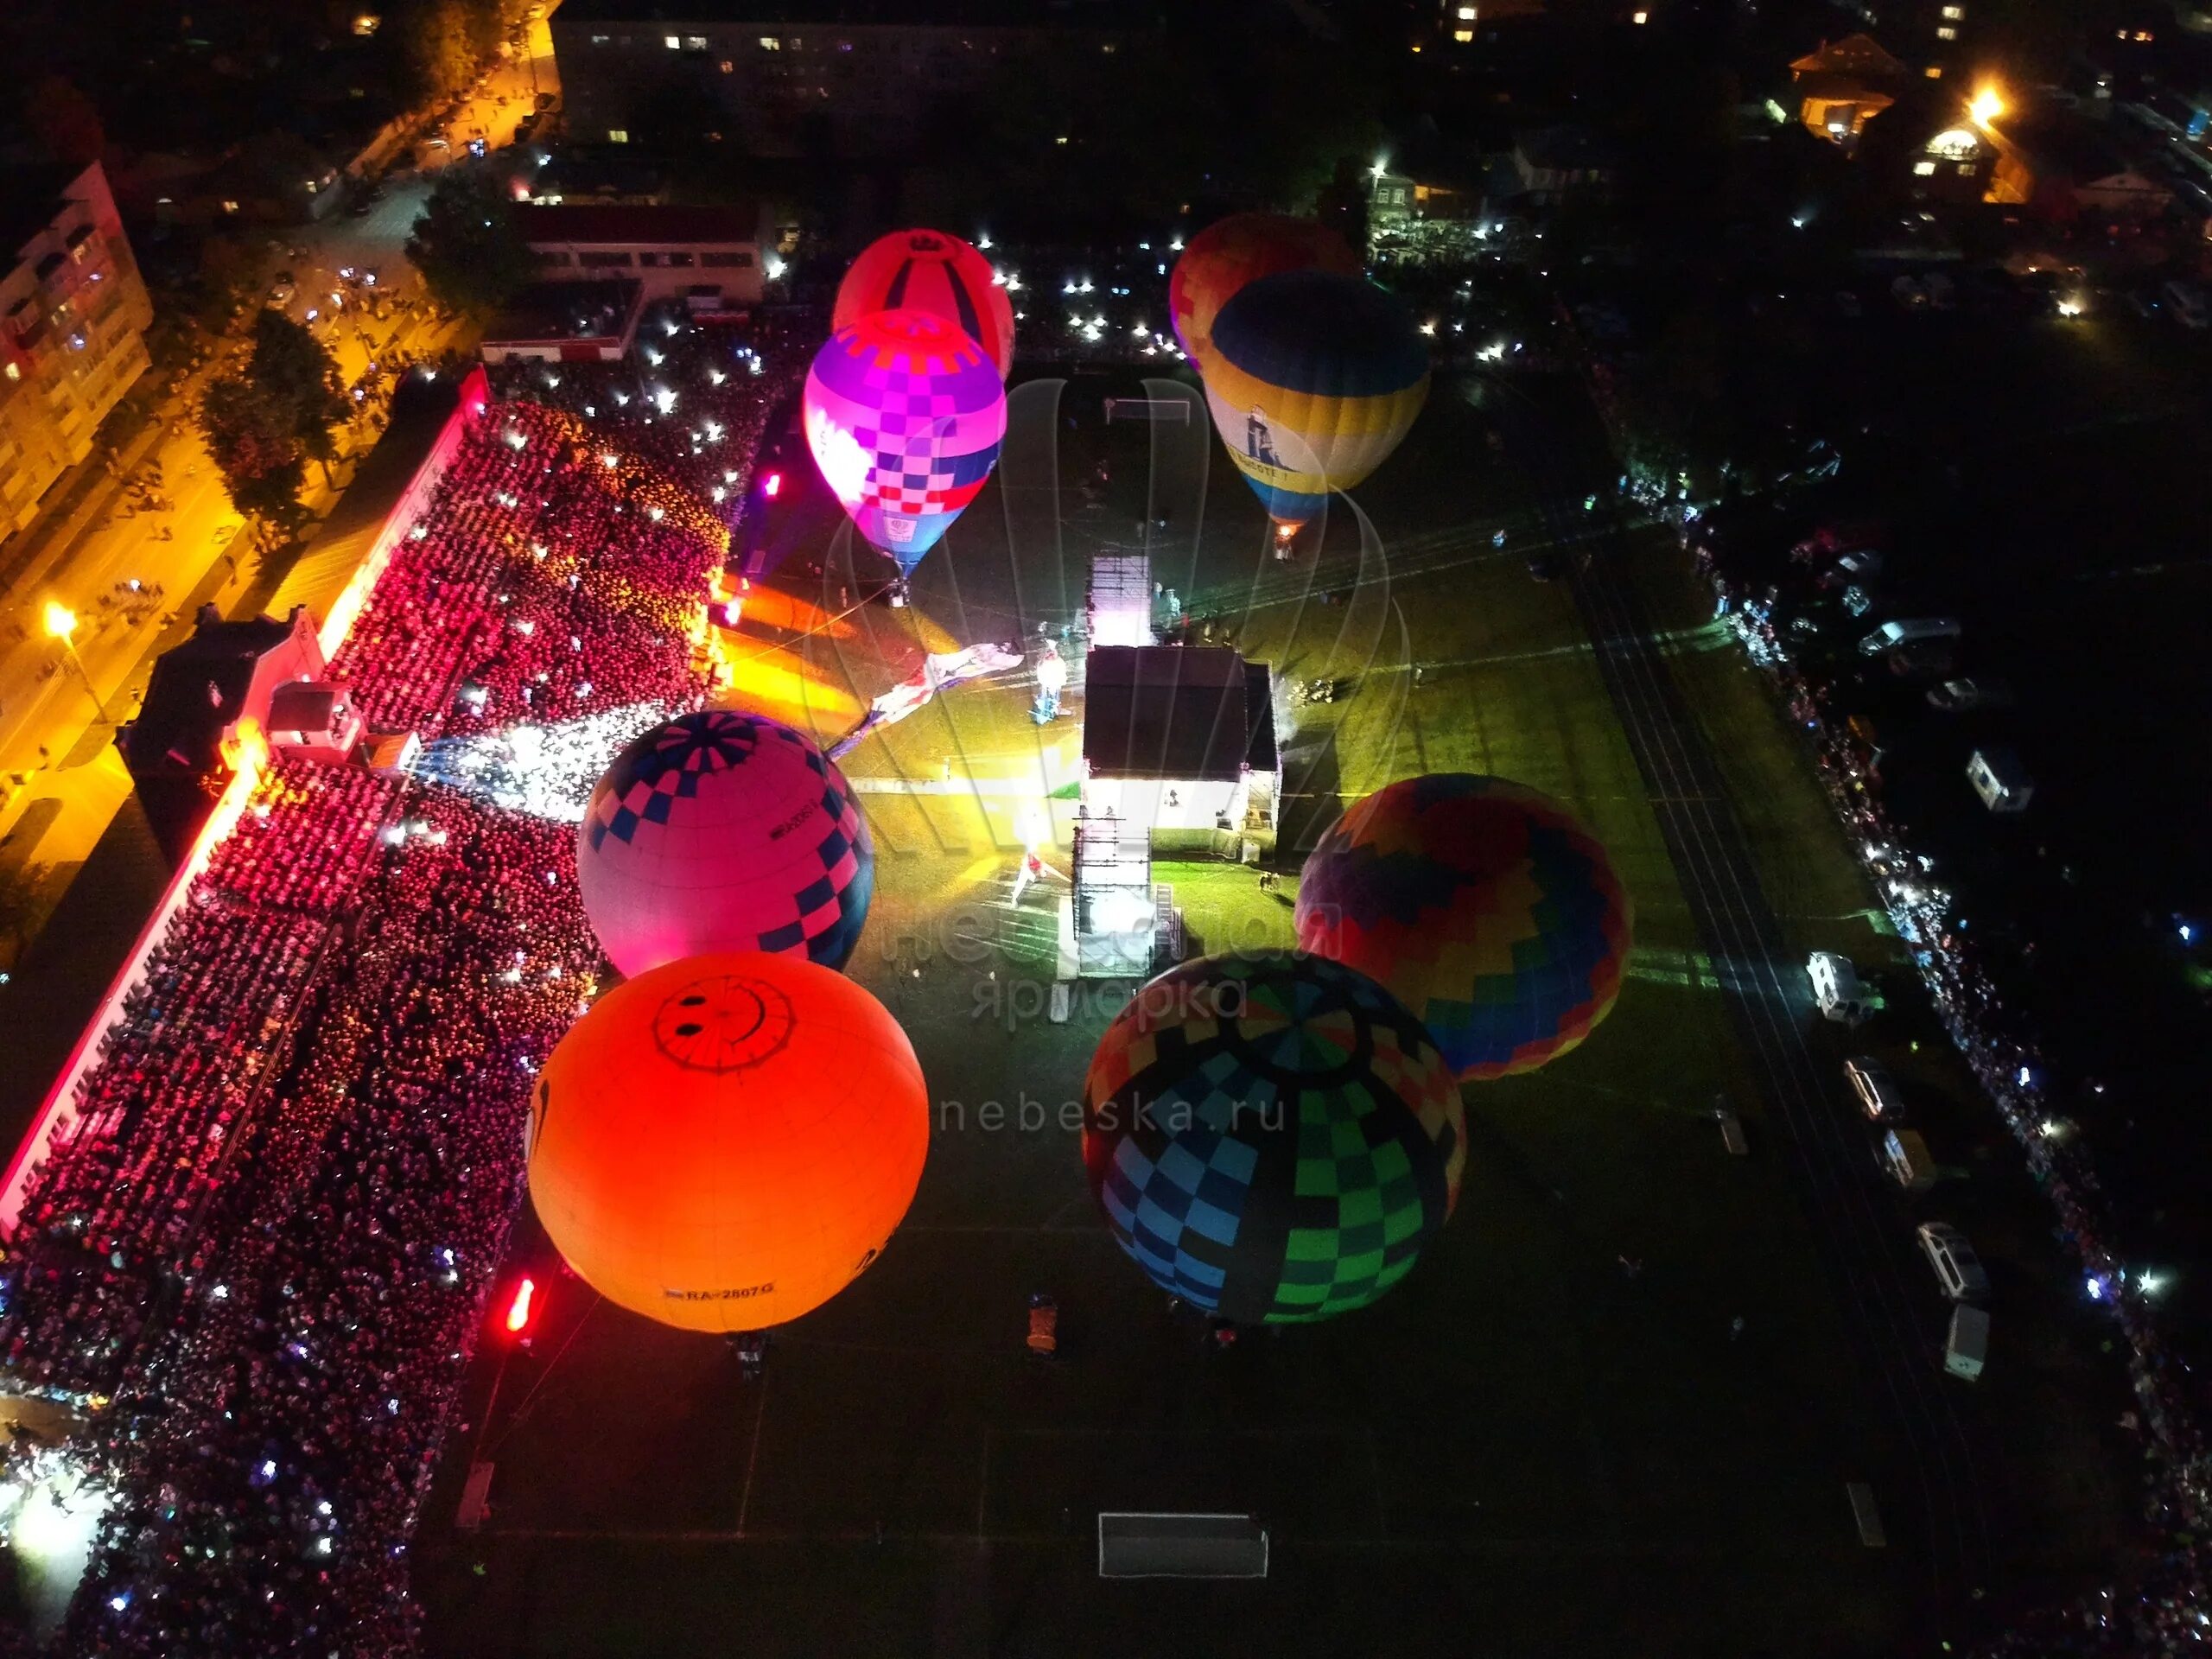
60	780
1869	1252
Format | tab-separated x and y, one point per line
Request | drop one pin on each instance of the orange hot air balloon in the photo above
724	1142
1240	249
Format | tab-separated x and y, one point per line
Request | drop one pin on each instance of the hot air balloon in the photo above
1271	1136
724	831
1484	904
929	271
1231	252
903	414
724	1142
1312	379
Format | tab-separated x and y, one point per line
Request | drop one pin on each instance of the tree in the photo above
436	52
296	371
467	242
23	906
251	439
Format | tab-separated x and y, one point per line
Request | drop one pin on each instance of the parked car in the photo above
1957	696
1907	631
1879	1096
1966	1343
1909	294
2186	301
1904	1155
1958	1270
281	290
1923	659
1836	989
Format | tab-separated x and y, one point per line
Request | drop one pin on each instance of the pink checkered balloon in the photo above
905	416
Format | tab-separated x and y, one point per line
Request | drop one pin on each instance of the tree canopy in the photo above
467	242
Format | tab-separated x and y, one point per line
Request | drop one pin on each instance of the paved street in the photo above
61	777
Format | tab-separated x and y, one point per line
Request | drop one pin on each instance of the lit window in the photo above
1462	35
673	42
1923	169
769	43
728	66
695	42
1945	32
15	371
1639	17
1109	48
599	40
1466	14
1966	170
618	135
1953	14
1934	72
230	206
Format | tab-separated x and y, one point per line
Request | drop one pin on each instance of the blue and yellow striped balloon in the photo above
1313	377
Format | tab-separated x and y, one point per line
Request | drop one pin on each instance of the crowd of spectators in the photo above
2165	1608
689	405
260	1255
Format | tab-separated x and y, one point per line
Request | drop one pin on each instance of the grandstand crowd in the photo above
260	1255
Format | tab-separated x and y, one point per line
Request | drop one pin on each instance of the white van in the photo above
1967	1343
1909	632
1836	987
1905	1155
1875	1091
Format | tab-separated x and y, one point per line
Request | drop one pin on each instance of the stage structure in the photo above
1179	756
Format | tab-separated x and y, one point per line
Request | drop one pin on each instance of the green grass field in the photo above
1525	1449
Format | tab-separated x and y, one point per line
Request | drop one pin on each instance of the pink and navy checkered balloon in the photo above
724	831
904	414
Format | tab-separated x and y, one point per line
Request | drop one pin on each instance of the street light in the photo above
61	624
1986	106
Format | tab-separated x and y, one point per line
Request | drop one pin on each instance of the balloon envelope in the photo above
1271	1136
724	1142
904	414
1231	252
929	271
1313	380
1484	904
724	831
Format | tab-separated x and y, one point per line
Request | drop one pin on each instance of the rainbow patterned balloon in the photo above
931	270
1484	904
905	416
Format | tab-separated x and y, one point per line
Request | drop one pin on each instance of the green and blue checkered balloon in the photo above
1272	1136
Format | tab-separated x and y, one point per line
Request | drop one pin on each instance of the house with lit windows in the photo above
73	314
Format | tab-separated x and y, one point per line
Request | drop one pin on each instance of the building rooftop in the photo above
565	311
921	14
1172	712
1565	146
29	199
618	223
199	686
1859	55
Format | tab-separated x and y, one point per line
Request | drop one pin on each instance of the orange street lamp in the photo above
61	624
1987	105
